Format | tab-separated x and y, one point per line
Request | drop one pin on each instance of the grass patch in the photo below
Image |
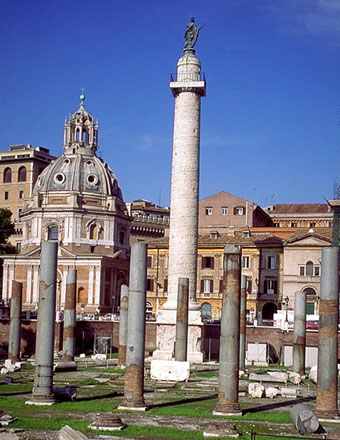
204	408
206	374
7	390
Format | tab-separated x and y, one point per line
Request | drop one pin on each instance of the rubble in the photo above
255	390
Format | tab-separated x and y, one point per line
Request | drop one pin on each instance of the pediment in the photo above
310	240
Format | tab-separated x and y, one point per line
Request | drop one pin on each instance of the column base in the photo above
332	416
125	407
107	422
166	336
227	409
41	402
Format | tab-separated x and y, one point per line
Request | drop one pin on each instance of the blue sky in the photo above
271	117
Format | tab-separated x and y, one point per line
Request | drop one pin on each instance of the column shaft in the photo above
181	345
230	334
69	340
299	333
327	378
243	323
134	376
123	323
15	322
43	383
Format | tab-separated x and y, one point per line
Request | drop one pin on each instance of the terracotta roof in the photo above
299	208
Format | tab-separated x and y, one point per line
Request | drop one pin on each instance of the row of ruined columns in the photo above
132	329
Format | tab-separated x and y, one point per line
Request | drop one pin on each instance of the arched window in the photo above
93	232
85	136
82	296
309	268
22	174
77	134
7	175
311	300
52	232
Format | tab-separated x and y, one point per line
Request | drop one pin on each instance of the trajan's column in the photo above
188	87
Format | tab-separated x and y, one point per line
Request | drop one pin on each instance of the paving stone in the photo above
67	433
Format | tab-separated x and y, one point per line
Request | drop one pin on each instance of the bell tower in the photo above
81	131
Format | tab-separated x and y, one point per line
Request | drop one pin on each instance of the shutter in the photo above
212	262
202	286
211	286
265	288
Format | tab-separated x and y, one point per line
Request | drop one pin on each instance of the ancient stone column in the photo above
187	87
181	345
134	375
123	323
299	333
228	403
42	393
243	323
69	337
327	376
15	323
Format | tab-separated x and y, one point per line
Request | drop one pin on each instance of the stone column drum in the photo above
243	323
299	346
42	393
15	323
134	375
69	339
327	376
123	324
228	403
181	346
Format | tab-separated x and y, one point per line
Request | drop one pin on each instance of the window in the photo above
85	136
224	210
310	308
93	231
21	194
246	262
271	262
207	286
270	286
22	175
52	232
317	271
239	210
312	224
7	175
221	286
249	285
149	285
149	261
77	134
293	225
309	268
6	195
207	262
302	271
206	311
208	210
165	285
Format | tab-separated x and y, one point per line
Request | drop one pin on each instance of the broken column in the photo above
243	323
15	323
69	337
134	375
299	333
228	403
181	345
123	324
42	393
327	376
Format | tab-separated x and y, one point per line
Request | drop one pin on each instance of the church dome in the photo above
79	169
78	173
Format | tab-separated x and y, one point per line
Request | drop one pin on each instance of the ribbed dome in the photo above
78	173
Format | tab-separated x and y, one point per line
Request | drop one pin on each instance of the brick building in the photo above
20	167
300	215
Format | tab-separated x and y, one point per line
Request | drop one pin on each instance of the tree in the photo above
6	230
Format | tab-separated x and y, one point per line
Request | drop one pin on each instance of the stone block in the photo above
217	430
267	378
255	390
279	376
170	370
294	378
67	433
289	392
271	392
